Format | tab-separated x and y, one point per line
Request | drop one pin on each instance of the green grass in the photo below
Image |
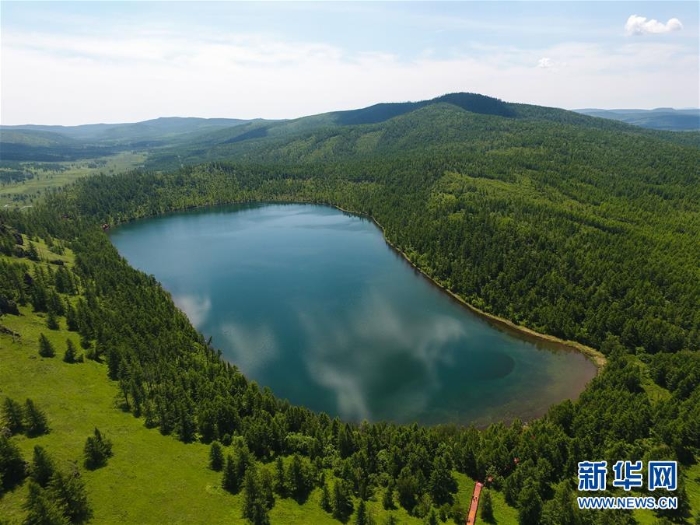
27	192
151	478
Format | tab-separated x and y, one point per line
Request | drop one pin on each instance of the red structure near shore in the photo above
471	517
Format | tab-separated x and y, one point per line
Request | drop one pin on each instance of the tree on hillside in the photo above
216	457
97	450
326	503
42	467
342	501
35	421
71	354
12	416
254	504
361	518
299	479
280	484
486	507
229	480
12	470
442	484
530	505
42	508
46	349
69	491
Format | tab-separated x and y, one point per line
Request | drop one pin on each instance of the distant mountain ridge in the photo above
191	140
659	118
147	129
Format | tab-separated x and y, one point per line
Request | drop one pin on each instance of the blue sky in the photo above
81	62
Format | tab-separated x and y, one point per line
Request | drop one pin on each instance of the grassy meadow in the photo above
48	175
151	479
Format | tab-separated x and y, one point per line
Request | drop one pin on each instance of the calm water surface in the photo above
311	302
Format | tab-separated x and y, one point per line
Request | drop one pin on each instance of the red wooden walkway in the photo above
471	517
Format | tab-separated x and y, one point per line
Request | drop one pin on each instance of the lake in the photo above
313	303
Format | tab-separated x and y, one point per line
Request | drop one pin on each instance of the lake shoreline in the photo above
593	355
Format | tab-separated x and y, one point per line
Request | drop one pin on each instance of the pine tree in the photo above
12	470
69	491
388	499
32	252
12	416
441	484
280	478
46	349
229	481
326	498
266	488
432	518
97	450
71	355
361	516
42	509
342	502
298	479
216	457
42	467
254	507
486	507
530	505
52	321
71	318
35	421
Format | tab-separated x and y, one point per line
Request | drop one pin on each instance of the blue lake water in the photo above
311	302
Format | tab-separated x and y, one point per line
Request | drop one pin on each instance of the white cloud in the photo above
137	75
639	25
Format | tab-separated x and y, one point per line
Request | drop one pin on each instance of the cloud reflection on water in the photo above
251	348
196	308
374	349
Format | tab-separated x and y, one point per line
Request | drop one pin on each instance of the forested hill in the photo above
572	231
574	228
463	122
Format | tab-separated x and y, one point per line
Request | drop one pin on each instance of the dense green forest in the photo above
587	233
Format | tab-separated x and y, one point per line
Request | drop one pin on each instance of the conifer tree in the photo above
280	478
46	349
486	507
69	491
52	321
254	505
12	470
361	516
71	354
35	421
266	488
326	503
42	508
229	481
12	416
216	457
342	501
97	450
388	499
42	467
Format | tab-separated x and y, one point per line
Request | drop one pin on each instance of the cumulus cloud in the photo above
639	25
550	64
